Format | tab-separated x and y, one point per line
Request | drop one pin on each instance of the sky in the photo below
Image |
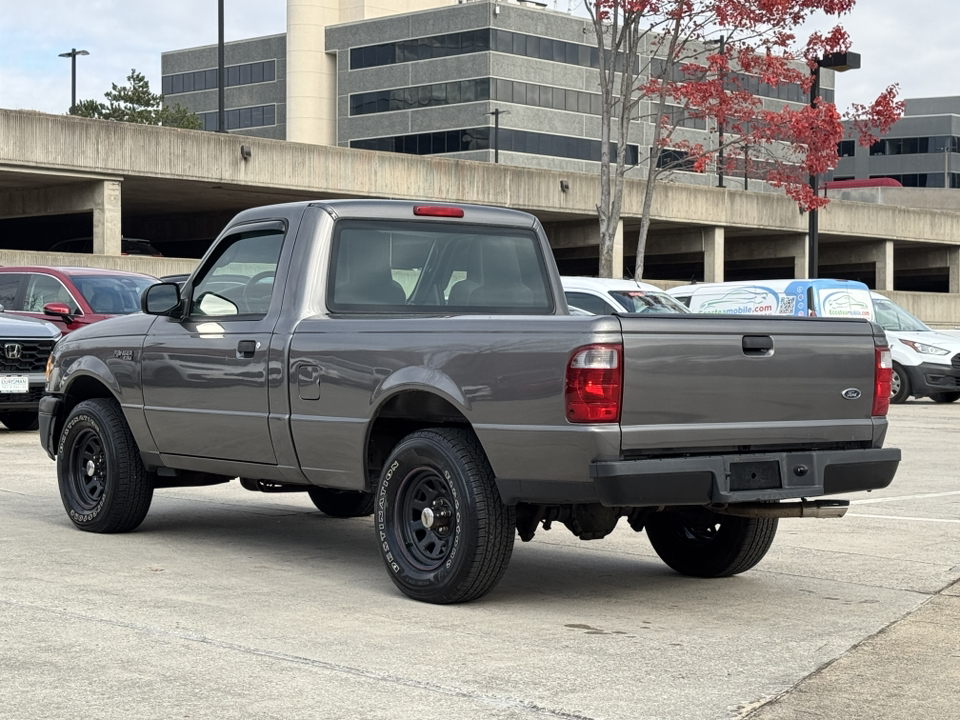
914	44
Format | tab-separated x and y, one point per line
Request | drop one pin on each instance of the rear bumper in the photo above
927	378
49	409
716	479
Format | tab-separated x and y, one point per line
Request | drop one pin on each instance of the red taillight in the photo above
594	384
883	377
436	211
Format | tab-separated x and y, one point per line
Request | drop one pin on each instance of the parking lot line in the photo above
904	517
920	496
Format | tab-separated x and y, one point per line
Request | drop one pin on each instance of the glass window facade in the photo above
931	179
739	82
846	148
520	141
238	118
916	145
462	91
486	39
246	74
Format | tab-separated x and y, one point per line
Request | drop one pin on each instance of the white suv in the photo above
603	296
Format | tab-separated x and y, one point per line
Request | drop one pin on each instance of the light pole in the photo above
838	62
496	132
221	72
722	43
73	75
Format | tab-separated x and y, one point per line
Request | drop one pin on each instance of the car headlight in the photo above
923	348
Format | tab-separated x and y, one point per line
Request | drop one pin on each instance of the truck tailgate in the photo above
744	383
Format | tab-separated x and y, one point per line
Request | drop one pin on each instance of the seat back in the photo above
502	280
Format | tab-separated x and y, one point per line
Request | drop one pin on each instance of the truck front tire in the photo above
701	543
443	531
103	483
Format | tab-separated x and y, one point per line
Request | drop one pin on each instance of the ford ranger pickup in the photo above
417	362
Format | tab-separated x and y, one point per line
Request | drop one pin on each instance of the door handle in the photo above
246	348
757	345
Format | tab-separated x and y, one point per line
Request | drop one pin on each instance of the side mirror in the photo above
58	309
160	299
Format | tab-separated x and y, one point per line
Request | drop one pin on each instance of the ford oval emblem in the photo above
851	394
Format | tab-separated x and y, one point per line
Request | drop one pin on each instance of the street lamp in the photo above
221	71
496	132
73	75
722	43
838	62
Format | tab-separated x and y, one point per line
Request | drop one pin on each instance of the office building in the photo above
437	81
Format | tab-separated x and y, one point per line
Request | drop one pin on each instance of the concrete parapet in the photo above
939	310
156	266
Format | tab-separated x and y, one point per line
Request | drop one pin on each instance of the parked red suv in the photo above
71	297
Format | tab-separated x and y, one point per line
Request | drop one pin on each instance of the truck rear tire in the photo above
701	543
103	483
26	420
899	385
341	503
443	531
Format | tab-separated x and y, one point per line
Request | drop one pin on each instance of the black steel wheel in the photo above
899	385
444	533
341	503
945	397
21	420
103	483
702	543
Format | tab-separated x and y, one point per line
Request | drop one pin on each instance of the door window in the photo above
9	286
43	289
239	278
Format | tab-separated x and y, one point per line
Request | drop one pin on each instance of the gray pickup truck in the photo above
418	363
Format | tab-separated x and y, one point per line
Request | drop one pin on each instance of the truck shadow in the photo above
306	540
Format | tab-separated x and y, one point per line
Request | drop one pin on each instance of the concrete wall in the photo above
34	141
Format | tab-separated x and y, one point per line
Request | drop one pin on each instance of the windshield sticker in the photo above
846	303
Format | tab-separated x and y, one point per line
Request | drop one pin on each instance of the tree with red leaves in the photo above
662	58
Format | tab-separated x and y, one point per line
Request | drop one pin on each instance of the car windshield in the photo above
891	316
112	294
647	301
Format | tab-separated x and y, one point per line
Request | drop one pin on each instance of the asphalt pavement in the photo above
230	604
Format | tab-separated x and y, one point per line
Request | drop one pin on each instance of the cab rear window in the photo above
416	267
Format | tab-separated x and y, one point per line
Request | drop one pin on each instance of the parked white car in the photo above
603	296
926	363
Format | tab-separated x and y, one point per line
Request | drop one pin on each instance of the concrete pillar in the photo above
713	254
953	263
618	268
801	257
883	258
106	218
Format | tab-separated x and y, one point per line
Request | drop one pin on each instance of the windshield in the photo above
112	294
891	316
647	301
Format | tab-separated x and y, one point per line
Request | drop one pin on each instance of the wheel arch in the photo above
80	388
402	412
